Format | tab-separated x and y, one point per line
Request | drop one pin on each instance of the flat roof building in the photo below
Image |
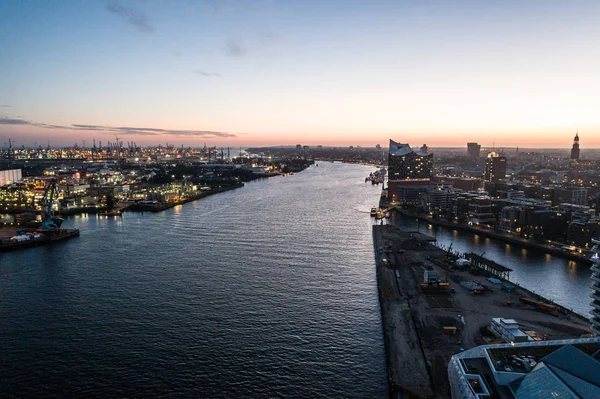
543	369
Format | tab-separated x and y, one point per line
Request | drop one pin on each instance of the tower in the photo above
495	167
575	148
473	150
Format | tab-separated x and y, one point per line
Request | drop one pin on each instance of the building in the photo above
406	164
510	217
572	195
473	150
480	211
526	370
461	183
543	224
575	148
595	313
409	173
495	167
508	330
10	176
581	233
438	198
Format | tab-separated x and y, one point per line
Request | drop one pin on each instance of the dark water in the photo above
265	291
564	281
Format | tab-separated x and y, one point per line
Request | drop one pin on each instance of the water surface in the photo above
264	291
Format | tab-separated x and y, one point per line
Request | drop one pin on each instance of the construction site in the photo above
434	306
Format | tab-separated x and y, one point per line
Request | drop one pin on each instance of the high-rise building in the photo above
495	167
409	172
596	287
406	164
575	148
473	150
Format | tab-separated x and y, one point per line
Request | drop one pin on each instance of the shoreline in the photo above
49	236
162	206
414	316
498	236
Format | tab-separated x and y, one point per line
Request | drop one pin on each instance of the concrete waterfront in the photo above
521	242
161	206
417	348
37	237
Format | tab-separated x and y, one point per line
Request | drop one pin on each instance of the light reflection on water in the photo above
265	291
564	281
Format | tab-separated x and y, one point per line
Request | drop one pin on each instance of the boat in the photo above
373	211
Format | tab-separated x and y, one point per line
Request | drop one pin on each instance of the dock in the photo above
36	237
159	206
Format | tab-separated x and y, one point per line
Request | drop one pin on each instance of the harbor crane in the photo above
50	195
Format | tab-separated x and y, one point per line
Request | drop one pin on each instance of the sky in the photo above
280	72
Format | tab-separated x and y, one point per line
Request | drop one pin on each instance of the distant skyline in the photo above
274	72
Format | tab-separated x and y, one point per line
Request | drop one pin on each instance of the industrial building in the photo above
10	176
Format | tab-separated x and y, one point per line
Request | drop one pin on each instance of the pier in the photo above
426	322
489	266
36	237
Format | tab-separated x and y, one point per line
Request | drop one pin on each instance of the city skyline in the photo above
241	73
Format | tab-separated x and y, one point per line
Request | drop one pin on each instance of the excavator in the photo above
50	195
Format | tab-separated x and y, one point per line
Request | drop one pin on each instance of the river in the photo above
564	281
264	291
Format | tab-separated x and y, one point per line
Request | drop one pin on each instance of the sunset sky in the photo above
331	72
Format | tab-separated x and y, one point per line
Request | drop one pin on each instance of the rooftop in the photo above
557	369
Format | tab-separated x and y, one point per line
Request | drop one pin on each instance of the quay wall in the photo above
163	206
533	294
500	237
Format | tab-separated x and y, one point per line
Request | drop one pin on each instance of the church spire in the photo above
575	148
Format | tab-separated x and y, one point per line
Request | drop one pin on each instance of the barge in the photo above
33	237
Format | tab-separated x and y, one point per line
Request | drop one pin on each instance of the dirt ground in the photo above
413	318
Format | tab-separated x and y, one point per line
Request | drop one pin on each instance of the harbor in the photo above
226	297
562	281
12	239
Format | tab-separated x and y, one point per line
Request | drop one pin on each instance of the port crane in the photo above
50	195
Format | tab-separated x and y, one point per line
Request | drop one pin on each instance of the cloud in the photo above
131	15
141	131
10	121
4	106
235	48
203	73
